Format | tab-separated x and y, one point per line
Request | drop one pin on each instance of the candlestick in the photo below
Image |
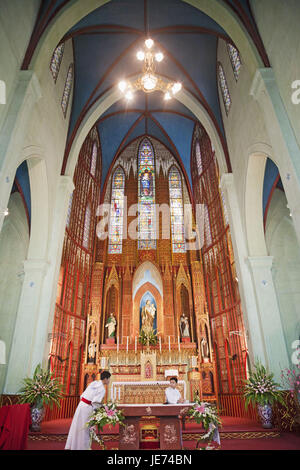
127	344
169	344
178	344
135	345
117	344
160	344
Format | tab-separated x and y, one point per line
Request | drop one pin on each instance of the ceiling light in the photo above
140	55
122	86
129	95
148	81
149	43
159	56
176	88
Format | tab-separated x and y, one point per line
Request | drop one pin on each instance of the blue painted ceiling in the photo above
105	45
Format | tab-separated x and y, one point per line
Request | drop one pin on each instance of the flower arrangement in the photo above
261	388
41	390
206	413
105	414
291	381
291	378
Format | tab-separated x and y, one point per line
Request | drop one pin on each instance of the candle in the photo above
118	344
178	344
135	344
127	344
169	344
160	344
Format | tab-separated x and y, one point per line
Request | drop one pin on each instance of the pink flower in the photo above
200	409
110	413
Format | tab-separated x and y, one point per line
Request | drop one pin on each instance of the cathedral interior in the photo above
150	169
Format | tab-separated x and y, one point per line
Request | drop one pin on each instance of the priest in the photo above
91	398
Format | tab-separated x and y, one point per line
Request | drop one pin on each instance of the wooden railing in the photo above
66	410
233	404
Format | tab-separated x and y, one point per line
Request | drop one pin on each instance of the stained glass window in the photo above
56	61
198	159
69	209
235	60
146	197
207	230
224	88
94	159
67	90
87	225
116	212
176	211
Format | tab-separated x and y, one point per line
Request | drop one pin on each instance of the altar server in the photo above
173	395
91	398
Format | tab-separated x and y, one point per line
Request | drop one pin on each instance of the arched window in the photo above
87	225
176	211
56	60
67	90
224	88
199	159
146	197
235	60
94	159
116	212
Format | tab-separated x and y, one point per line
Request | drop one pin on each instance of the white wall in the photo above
282	244
15	31
278	24
14	241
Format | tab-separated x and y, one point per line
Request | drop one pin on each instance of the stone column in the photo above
37	301
269	313
246	288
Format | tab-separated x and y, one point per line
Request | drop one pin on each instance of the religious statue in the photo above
92	352
111	326
204	349
148	315
184	326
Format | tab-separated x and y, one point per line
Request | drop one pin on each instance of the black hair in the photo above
174	378
105	375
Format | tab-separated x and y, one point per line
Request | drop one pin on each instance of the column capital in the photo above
260	262
66	182
262	77
227	180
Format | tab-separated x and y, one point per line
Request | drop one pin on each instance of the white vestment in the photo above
172	395
79	435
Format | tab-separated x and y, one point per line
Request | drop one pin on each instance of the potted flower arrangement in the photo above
261	390
206	413
105	414
39	391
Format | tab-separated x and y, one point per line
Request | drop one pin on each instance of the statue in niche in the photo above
204	349
111	325
148	315
92	349
184	327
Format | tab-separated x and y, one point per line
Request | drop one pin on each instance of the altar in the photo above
170	432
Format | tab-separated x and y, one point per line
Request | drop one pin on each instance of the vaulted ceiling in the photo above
105	44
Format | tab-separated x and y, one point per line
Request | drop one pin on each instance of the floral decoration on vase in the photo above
105	414
39	391
261	390
206	414
148	338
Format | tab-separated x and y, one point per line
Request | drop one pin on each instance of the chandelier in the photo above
149	81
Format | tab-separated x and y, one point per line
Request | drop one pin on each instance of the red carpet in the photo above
236	434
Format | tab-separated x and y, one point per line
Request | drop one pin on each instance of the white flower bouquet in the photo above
104	415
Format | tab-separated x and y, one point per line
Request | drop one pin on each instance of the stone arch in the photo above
74	11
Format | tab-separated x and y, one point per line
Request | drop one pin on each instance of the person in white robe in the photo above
172	394
91	399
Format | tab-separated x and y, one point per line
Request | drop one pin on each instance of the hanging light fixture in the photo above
149	81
